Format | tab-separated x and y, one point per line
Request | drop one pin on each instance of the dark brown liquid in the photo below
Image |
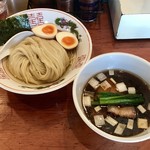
131	81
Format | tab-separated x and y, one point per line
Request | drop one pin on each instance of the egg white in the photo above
61	35
37	30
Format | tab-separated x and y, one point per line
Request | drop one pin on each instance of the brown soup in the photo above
130	80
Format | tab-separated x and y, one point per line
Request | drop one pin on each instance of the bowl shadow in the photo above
39	111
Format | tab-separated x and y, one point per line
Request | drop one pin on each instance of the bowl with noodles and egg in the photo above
50	58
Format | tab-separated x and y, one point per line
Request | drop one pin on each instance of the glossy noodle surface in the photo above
37	61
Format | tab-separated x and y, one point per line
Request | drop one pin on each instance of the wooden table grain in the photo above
50	121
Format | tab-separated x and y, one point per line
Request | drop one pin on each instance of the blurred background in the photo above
86	11
16	6
19	5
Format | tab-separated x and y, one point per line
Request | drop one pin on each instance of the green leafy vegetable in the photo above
12	26
62	22
108	98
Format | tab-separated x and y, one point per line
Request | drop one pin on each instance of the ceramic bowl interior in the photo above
83	52
120	61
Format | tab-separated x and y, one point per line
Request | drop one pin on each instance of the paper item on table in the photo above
131	16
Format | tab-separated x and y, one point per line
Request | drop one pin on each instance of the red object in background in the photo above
3	9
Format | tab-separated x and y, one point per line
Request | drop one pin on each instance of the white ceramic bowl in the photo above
116	60
40	16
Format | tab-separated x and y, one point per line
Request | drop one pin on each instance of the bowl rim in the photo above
71	79
131	139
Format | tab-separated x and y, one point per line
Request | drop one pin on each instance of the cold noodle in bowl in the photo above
37	61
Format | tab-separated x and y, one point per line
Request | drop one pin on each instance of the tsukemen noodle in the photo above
37	61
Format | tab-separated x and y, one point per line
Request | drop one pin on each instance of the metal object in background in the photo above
15	6
65	5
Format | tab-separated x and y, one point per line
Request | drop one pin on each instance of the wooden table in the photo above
50	121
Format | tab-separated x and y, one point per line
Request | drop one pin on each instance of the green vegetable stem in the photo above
109	98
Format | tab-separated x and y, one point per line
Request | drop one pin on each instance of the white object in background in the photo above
130	19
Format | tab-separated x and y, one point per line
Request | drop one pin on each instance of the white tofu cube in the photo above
99	120
131	90
94	83
142	123
87	101
97	108
113	81
130	124
120	128
105	85
141	109
101	76
111	72
111	120
121	87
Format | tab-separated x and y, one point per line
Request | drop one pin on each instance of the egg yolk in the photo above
48	29
68	40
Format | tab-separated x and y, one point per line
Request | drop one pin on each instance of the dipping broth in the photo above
112	117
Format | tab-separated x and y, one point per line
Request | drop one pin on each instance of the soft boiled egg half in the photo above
67	39
46	31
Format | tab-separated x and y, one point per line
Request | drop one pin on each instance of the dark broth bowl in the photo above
117	61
